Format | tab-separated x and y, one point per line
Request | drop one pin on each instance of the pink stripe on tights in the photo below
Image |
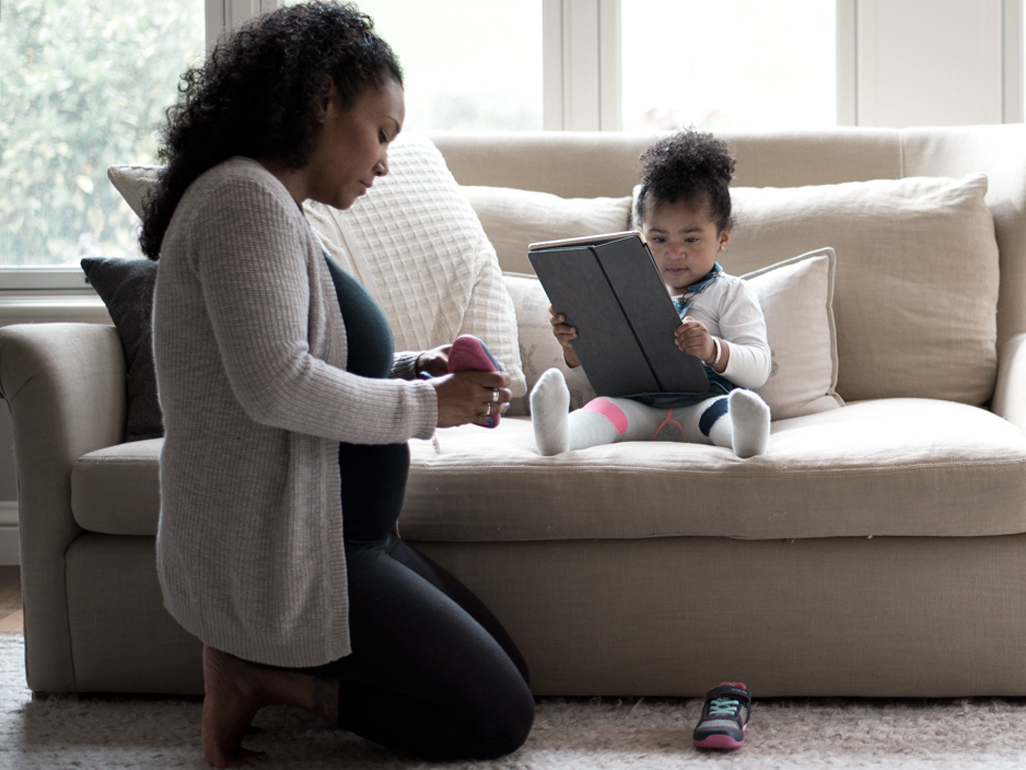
610	411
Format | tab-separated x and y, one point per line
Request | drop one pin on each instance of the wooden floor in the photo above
10	600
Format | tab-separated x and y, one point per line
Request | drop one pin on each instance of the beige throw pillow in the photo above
514	219
797	300
539	349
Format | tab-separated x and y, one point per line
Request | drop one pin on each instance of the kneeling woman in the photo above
287	414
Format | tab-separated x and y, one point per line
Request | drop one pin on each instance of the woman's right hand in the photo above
477	397
564	334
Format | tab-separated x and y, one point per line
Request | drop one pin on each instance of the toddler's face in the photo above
684	241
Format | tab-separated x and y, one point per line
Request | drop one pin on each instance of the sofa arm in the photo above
1010	390
64	384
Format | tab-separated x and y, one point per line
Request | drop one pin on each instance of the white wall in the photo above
930	63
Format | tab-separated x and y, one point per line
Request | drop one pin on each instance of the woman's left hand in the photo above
478	397
435	361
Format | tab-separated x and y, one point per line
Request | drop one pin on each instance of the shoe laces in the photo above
724	706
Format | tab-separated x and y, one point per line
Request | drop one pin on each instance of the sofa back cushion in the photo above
916	283
514	219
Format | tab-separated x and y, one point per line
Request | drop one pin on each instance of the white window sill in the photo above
51	307
42	279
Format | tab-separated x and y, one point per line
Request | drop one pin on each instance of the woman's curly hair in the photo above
256	95
689	166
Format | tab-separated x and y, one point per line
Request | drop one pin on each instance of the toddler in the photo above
683	211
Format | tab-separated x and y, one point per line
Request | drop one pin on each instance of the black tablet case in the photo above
611	291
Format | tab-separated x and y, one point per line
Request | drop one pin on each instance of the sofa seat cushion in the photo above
898	467
902	467
116	490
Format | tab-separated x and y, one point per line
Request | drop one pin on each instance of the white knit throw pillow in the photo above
416	244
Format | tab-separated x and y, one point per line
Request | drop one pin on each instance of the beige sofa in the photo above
877	549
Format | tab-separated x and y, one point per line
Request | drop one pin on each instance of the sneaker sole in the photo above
719	742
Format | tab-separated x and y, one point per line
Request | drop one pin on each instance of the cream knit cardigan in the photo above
250	353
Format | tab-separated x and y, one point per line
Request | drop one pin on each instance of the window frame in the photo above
69	281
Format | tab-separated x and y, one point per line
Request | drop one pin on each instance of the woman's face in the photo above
351	149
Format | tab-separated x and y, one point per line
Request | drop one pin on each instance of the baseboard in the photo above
9	550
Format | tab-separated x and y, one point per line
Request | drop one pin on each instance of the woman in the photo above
287	414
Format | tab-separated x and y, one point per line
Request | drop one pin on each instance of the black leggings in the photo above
432	672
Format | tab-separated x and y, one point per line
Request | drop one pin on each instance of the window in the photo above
732	64
467	64
85	84
82	85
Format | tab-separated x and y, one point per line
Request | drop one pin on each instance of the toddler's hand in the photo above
564	334
693	338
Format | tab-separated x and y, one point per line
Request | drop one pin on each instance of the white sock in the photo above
750	418
550	408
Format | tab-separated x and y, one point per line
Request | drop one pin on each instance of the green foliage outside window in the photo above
83	84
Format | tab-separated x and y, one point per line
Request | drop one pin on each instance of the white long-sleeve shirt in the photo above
730	310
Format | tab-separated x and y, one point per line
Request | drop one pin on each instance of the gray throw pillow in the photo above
126	288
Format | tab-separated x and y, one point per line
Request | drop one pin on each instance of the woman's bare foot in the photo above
233	696
236	690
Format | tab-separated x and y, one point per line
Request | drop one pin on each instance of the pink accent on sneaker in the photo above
719	742
469	354
669	421
610	411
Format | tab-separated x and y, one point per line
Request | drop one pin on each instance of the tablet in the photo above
609	288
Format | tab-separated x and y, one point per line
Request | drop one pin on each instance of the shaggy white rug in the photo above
572	734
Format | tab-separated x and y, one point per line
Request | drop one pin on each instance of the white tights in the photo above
739	421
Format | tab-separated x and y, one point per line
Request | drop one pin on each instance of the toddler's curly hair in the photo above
688	166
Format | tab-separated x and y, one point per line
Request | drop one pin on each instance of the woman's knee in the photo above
504	728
